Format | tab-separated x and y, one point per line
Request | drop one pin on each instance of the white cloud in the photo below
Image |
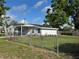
20	8
45	9
11	15
38	4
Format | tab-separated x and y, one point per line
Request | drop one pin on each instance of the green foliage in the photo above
3	1
58	16
73	8
14	23
3	9
61	10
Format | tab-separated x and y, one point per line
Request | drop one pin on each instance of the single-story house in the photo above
30	29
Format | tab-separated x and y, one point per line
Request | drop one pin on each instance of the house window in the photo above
39	30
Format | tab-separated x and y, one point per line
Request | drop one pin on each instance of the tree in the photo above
76	21
73	9
14	23
58	16
61	10
3	9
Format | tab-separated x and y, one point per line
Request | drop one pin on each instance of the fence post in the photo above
57	43
21	31
30	43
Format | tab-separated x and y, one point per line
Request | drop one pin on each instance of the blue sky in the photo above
33	11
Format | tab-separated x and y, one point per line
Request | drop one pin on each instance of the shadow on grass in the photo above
70	49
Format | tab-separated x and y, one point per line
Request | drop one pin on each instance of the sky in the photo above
33	11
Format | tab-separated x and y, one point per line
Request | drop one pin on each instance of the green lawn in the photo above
14	50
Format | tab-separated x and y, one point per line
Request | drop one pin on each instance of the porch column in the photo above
21	30
14	31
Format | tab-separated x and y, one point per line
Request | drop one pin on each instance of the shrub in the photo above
66	33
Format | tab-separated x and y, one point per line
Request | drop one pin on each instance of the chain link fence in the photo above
69	45
48	42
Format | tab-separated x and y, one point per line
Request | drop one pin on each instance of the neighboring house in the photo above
35	30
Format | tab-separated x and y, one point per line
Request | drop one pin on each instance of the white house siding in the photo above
48	32
36	30
33	31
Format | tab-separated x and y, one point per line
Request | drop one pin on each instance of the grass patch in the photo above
13	50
